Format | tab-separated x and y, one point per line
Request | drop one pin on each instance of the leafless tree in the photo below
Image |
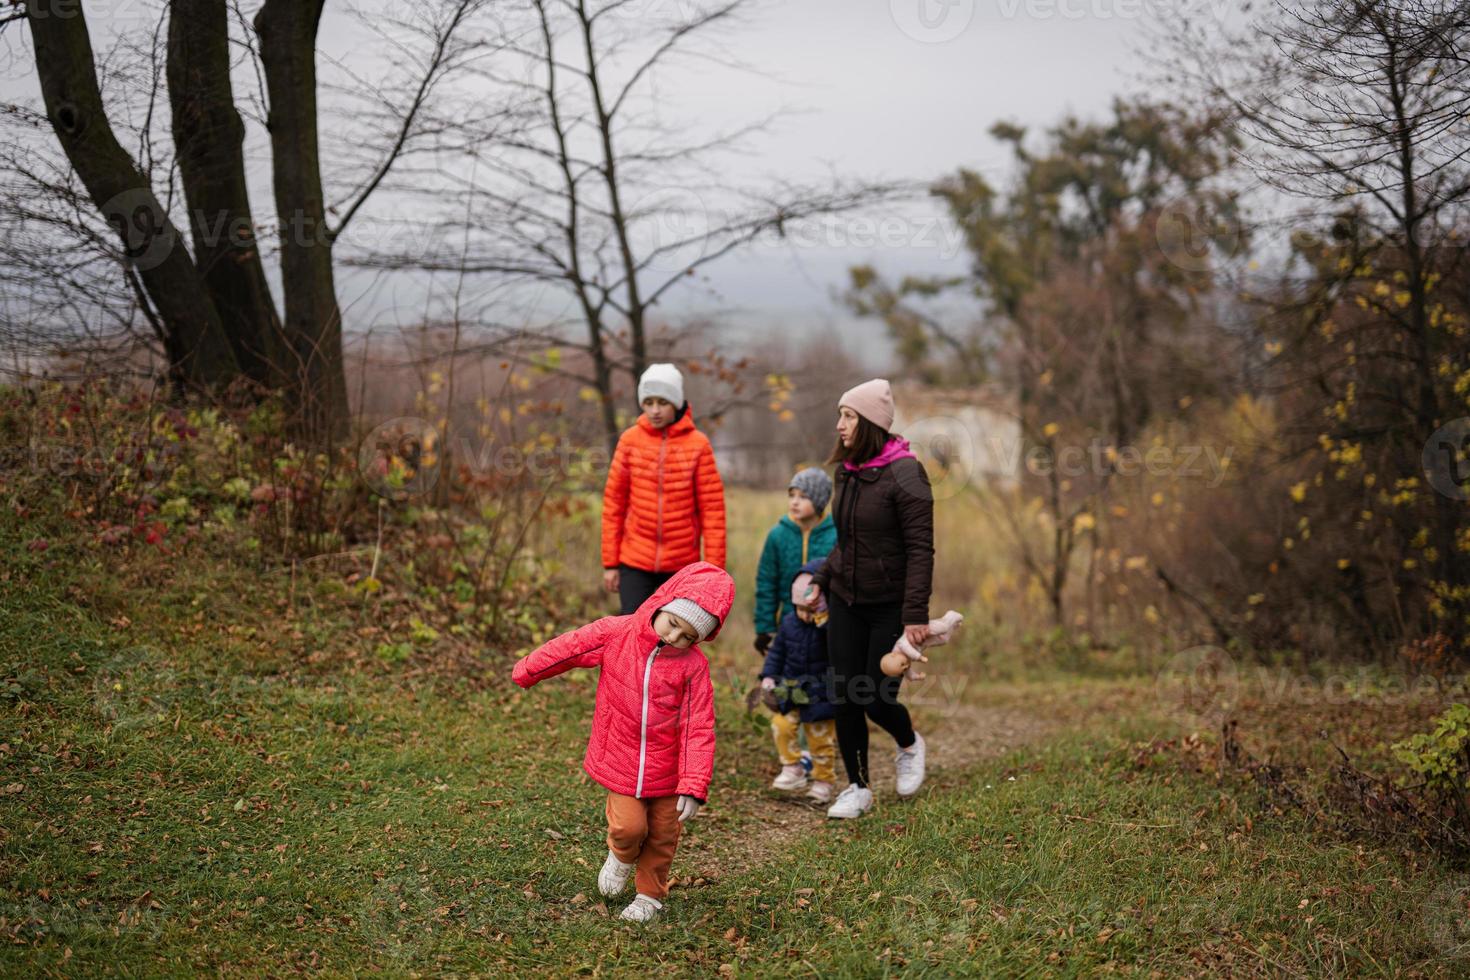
588	198
212	306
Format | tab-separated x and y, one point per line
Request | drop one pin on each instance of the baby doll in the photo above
653	728
904	654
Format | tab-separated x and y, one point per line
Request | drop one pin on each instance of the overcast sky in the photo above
890	94
879	89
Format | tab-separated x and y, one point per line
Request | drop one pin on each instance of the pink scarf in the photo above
895	448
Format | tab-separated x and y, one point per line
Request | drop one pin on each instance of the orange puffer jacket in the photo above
663	494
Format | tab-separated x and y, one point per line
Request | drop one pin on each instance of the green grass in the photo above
197	801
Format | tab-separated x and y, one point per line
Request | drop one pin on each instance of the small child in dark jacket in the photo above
796	672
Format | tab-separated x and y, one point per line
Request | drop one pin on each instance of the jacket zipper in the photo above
643	728
806	537
658	530
852	492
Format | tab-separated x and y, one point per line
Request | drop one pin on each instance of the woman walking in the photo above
877	582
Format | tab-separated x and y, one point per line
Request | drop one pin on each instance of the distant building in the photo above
961	434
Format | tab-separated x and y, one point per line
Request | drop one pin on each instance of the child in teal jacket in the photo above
804	533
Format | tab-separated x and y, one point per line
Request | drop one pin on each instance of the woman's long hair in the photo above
868	441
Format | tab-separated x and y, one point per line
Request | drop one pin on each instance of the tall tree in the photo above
1355	110
209	140
197	344
213	309
585	195
287	30
1086	307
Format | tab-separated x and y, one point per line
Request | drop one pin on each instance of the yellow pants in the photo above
821	741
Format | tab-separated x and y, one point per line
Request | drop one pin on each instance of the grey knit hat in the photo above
691	612
815	484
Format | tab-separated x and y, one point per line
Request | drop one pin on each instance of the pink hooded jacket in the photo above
653	729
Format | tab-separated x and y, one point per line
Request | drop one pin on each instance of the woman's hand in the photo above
610	579
813	596
916	635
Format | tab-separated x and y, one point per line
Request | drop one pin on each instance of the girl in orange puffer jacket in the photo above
663	494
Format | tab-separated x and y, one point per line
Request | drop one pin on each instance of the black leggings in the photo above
857	638
635	586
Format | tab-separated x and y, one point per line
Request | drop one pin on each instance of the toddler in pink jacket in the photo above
653	728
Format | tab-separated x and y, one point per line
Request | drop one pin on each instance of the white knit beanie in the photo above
662	381
691	612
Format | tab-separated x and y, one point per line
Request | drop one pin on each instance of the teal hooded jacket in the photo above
786	549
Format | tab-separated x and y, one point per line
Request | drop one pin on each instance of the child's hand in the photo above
688	807
768	683
611	579
763	642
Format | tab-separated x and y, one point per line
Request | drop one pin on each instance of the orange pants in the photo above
646	833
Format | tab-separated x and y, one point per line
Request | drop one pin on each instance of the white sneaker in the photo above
641	909
791	777
911	767
852	802
613	877
821	792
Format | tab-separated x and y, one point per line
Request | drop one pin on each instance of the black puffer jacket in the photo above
885	538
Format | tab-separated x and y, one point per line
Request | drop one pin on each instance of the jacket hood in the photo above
709	585
684	423
895	448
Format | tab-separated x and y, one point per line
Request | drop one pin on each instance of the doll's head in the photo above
894	663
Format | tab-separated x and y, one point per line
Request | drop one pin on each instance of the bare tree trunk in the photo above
631	271
313	320
122	193
209	134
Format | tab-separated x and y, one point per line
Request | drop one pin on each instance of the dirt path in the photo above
959	736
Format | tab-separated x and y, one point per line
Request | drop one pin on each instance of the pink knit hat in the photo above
873	400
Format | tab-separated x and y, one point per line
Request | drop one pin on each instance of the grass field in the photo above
191	785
